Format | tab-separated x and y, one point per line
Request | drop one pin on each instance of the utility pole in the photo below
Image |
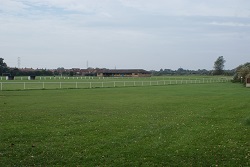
19	62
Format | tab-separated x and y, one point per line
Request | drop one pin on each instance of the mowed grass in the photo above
174	125
47	82
110	79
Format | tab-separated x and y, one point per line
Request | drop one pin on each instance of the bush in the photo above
242	72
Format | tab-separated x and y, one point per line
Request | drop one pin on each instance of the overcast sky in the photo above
146	34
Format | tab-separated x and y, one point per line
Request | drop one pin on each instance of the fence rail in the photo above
107	84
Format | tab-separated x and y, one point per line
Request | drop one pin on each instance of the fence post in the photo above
24	85
134	83
76	85
43	85
102	84
114	83
90	86
1	86
124	83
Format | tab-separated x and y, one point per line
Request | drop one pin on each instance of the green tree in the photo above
14	72
242	72
71	73
3	67
219	66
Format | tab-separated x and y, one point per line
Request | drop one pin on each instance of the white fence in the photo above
53	78
81	85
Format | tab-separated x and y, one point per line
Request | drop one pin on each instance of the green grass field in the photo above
172	125
48	82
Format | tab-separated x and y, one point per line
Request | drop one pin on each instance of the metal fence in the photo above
107	84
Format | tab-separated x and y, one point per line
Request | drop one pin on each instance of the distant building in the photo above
248	82
87	72
26	69
76	71
123	73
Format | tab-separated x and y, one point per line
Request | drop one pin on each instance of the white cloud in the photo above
231	24
12	6
222	8
84	6
229	8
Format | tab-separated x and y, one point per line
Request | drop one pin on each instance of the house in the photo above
248	82
77	71
26	69
89	72
123	73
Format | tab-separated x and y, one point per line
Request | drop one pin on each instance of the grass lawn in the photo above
173	125
49	82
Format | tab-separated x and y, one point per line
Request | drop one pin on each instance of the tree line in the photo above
239	74
218	70
181	71
7	71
